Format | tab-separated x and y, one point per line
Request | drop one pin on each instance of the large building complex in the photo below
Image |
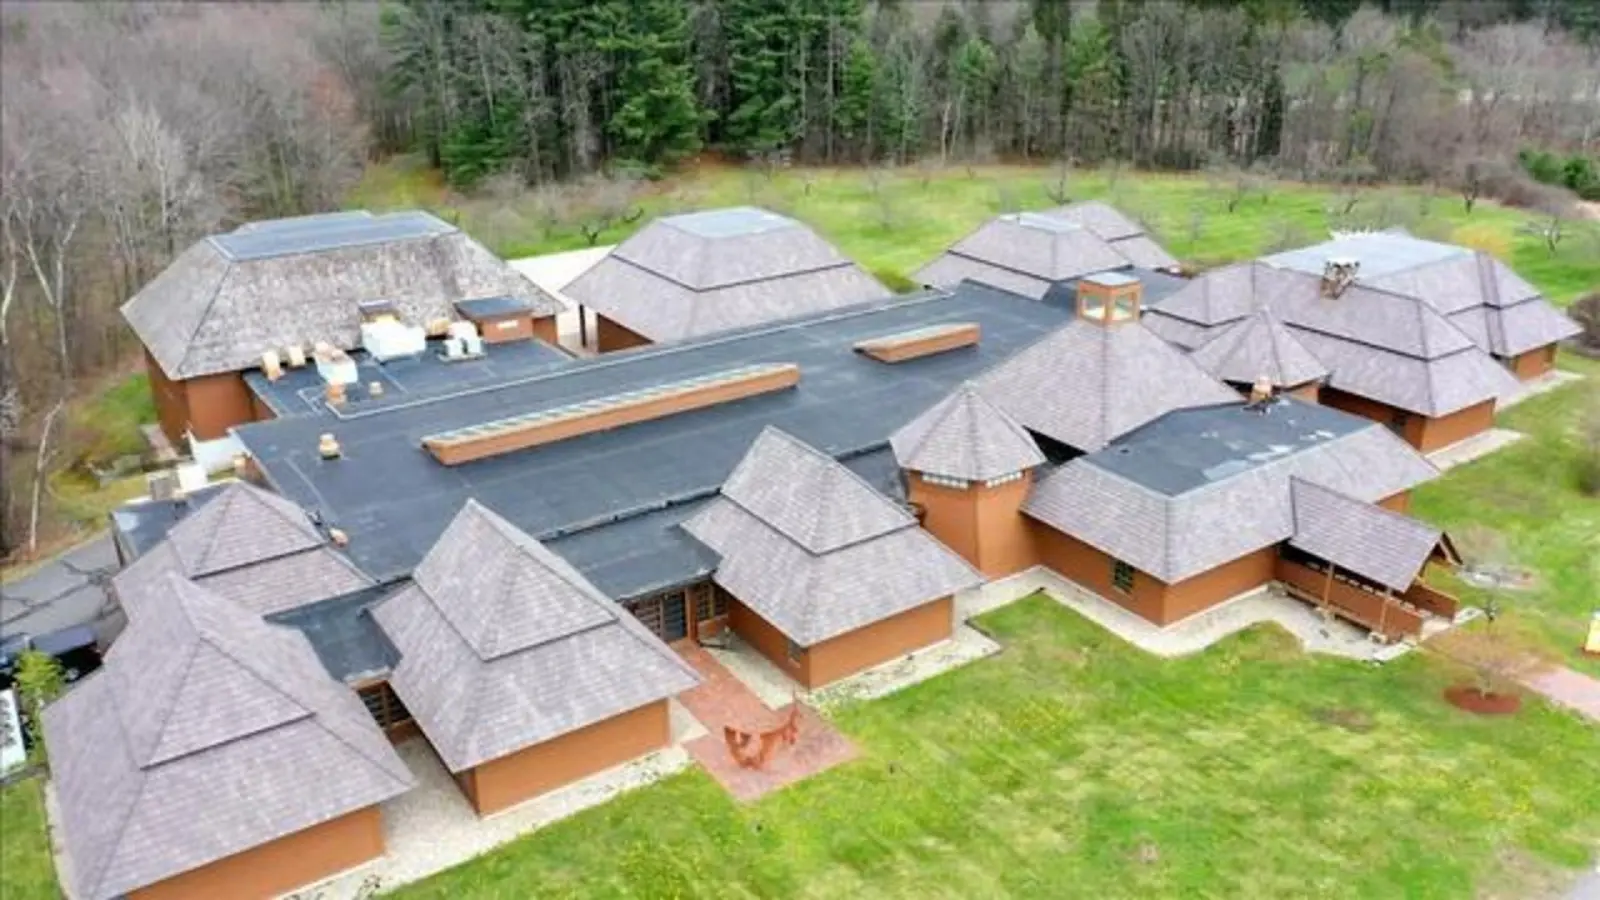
502	552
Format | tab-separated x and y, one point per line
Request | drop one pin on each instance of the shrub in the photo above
1487	238
894	280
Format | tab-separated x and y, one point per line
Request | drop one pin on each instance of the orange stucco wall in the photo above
208	405
544	328
504	329
1422	432
1151	597
531	771
982	524
1397	502
281	866
851	652
609	336
879	642
1534	363
1457	426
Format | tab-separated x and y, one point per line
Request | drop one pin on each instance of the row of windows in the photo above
1003	479
959	484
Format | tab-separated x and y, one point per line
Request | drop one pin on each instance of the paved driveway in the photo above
71	589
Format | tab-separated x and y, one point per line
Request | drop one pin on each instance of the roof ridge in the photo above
214	533
122	829
200	321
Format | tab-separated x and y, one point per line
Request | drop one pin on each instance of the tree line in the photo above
1407	89
130	129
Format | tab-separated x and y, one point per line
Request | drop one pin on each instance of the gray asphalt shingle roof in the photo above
1371	541
814	550
207	732
504	645
708	272
216	309
1126	236
965	436
1259	347
1023	253
1086	382
1375	343
1503	314
1196	502
254	547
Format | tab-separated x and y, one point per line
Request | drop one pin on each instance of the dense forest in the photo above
130	129
1324	88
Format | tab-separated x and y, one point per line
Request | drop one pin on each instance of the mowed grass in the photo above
893	221
26	869
1529	494
1072	765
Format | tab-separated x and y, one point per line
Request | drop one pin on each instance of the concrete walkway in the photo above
71	589
1545	383
1476	447
1567	688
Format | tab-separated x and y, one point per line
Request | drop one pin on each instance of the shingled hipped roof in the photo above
1260	347
229	298
965	436
208	732
1237	508
249	545
814	550
1023	253
1373	542
1375	343
1088	382
504	645
1501	312
706	272
1125	235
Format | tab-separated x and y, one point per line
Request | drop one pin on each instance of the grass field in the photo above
1073	765
26	870
893	222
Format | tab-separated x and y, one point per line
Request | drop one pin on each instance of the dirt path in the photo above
1589	209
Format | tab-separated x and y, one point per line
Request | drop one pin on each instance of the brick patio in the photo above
725	700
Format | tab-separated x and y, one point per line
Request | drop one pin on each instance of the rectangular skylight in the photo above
920	342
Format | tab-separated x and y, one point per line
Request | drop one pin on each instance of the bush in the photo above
895	281
1577	173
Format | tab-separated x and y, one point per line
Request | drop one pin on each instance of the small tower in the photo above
969	468
1110	298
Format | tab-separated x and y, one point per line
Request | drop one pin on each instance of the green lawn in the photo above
1073	765
1528	492
912	214
26	870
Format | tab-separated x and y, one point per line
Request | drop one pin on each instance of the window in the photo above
1003	479
1121	576
795	651
942	481
709	603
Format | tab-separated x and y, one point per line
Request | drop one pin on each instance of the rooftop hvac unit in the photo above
454	348
472	344
387	339
336	367
463	329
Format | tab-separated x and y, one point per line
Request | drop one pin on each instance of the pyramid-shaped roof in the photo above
1087	382
1260	347
243	524
704	272
1126	236
504	645
814	550
198	697
485	570
807	496
1040	245
965	436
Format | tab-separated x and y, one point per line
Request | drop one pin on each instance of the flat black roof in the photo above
610	501
342	631
1191	448
486	307
299	392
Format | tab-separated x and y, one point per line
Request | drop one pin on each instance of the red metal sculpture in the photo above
751	750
